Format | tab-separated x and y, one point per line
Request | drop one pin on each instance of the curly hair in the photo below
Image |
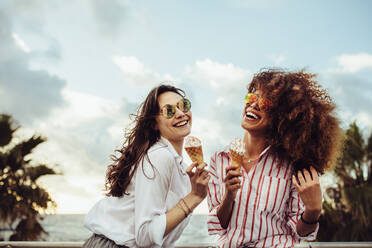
303	128
137	142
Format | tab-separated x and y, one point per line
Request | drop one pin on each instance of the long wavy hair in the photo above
303	128
137	142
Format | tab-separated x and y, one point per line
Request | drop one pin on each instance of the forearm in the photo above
224	211
179	212
303	229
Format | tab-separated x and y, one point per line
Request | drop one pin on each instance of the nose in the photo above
255	105
179	113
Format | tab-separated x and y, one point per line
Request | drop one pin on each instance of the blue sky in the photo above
74	70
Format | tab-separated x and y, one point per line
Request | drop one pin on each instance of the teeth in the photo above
181	124
251	115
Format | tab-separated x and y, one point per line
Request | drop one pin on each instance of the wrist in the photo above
193	200
229	197
310	216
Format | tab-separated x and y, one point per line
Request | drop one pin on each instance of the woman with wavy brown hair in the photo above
151	191
290	135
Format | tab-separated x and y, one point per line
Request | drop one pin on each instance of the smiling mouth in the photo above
181	124
252	116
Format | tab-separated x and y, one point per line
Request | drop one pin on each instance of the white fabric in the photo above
138	219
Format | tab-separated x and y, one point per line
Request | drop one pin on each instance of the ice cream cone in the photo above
194	149
236	153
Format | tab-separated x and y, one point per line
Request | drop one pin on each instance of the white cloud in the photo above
21	43
355	62
134	72
216	75
82	134
80	108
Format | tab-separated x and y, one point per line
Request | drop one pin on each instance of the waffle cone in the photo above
195	153
236	159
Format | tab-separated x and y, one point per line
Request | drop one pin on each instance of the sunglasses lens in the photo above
264	104
250	98
169	111
186	105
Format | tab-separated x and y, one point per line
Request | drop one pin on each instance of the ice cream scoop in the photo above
194	149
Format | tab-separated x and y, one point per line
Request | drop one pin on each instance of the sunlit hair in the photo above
303	128
137	142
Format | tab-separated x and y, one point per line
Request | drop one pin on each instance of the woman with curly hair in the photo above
290	135
151	191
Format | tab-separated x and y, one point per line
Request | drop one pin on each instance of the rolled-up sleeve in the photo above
151	188
214	198
295	208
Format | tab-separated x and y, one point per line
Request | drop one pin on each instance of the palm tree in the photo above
21	198
347	211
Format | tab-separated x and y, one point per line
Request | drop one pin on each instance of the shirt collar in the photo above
227	151
179	159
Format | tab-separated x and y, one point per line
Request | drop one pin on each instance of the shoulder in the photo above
159	157
160	152
220	154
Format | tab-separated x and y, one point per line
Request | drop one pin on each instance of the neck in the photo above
254	145
177	145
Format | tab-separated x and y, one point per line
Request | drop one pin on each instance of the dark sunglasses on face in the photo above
168	110
263	103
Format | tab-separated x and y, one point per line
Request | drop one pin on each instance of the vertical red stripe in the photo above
210	197
215	194
254	206
246	204
267	198
237	212
276	196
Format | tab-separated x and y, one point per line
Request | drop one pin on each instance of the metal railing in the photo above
24	244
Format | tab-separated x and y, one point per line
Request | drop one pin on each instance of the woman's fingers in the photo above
300	177
232	167
307	176
190	168
206	180
314	174
295	183
204	174
232	173
200	168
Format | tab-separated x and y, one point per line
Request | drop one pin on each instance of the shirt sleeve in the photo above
151	188
294	210
214	198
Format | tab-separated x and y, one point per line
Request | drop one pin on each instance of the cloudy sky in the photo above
73	71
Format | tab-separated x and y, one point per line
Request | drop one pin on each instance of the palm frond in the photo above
7	128
35	172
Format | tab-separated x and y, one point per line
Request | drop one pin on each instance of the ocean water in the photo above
69	227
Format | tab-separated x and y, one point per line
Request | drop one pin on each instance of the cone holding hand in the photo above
236	152
194	149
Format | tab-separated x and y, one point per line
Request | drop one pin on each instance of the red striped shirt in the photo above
267	206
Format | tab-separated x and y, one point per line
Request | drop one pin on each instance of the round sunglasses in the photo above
263	103
168	110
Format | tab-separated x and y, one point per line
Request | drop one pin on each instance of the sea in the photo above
69	227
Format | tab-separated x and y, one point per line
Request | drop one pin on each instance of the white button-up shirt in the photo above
138	219
267	206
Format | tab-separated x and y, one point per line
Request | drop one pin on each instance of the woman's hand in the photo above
308	187
232	182
199	179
